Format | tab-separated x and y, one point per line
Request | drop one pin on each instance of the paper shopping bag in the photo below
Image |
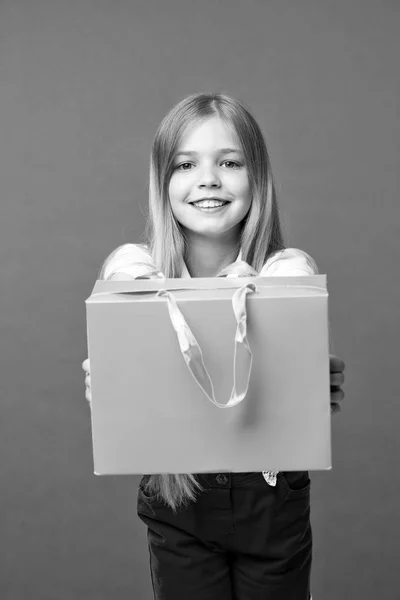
210	375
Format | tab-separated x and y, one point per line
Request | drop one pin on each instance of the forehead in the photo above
211	134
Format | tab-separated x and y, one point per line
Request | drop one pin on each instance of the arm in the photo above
130	261
121	276
290	261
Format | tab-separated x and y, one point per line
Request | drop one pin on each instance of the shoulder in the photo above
290	261
125	258
135	251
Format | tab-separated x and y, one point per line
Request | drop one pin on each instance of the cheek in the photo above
244	190
240	182
177	195
176	189
247	197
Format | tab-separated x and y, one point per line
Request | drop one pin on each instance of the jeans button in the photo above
222	479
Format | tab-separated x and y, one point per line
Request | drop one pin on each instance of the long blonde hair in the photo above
261	234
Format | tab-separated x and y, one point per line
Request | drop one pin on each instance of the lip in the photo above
209	198
211	211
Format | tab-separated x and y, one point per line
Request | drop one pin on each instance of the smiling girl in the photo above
213	212
211	209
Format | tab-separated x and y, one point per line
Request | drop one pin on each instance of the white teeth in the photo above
209	203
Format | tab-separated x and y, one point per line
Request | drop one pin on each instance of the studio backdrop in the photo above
83	87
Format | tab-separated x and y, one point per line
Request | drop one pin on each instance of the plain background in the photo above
83	86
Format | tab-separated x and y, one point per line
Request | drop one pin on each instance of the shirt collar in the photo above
186	275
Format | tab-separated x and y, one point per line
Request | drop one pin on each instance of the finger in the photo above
337	379
337	395
88	395
335	408
86	365
336	364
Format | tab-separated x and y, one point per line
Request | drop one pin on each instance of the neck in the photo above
206	257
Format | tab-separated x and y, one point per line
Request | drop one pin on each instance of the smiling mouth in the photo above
209	203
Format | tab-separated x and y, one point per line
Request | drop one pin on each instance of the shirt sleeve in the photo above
290	261
133	259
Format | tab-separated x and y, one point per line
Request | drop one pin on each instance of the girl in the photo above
213	212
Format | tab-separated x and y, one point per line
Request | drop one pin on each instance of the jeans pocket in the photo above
295	484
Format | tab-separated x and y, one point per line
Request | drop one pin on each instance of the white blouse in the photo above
134	260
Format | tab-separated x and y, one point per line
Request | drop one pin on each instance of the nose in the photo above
208	178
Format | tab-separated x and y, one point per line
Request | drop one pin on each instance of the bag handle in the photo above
193	356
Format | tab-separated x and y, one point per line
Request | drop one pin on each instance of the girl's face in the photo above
209	165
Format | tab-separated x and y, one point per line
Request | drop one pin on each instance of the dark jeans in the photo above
241	540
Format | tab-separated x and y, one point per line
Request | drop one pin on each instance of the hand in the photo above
336	368
88	392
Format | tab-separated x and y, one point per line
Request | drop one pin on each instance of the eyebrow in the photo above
220	151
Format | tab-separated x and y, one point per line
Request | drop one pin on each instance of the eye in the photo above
180	167
233	164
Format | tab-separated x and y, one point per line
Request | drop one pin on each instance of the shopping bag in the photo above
167	355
